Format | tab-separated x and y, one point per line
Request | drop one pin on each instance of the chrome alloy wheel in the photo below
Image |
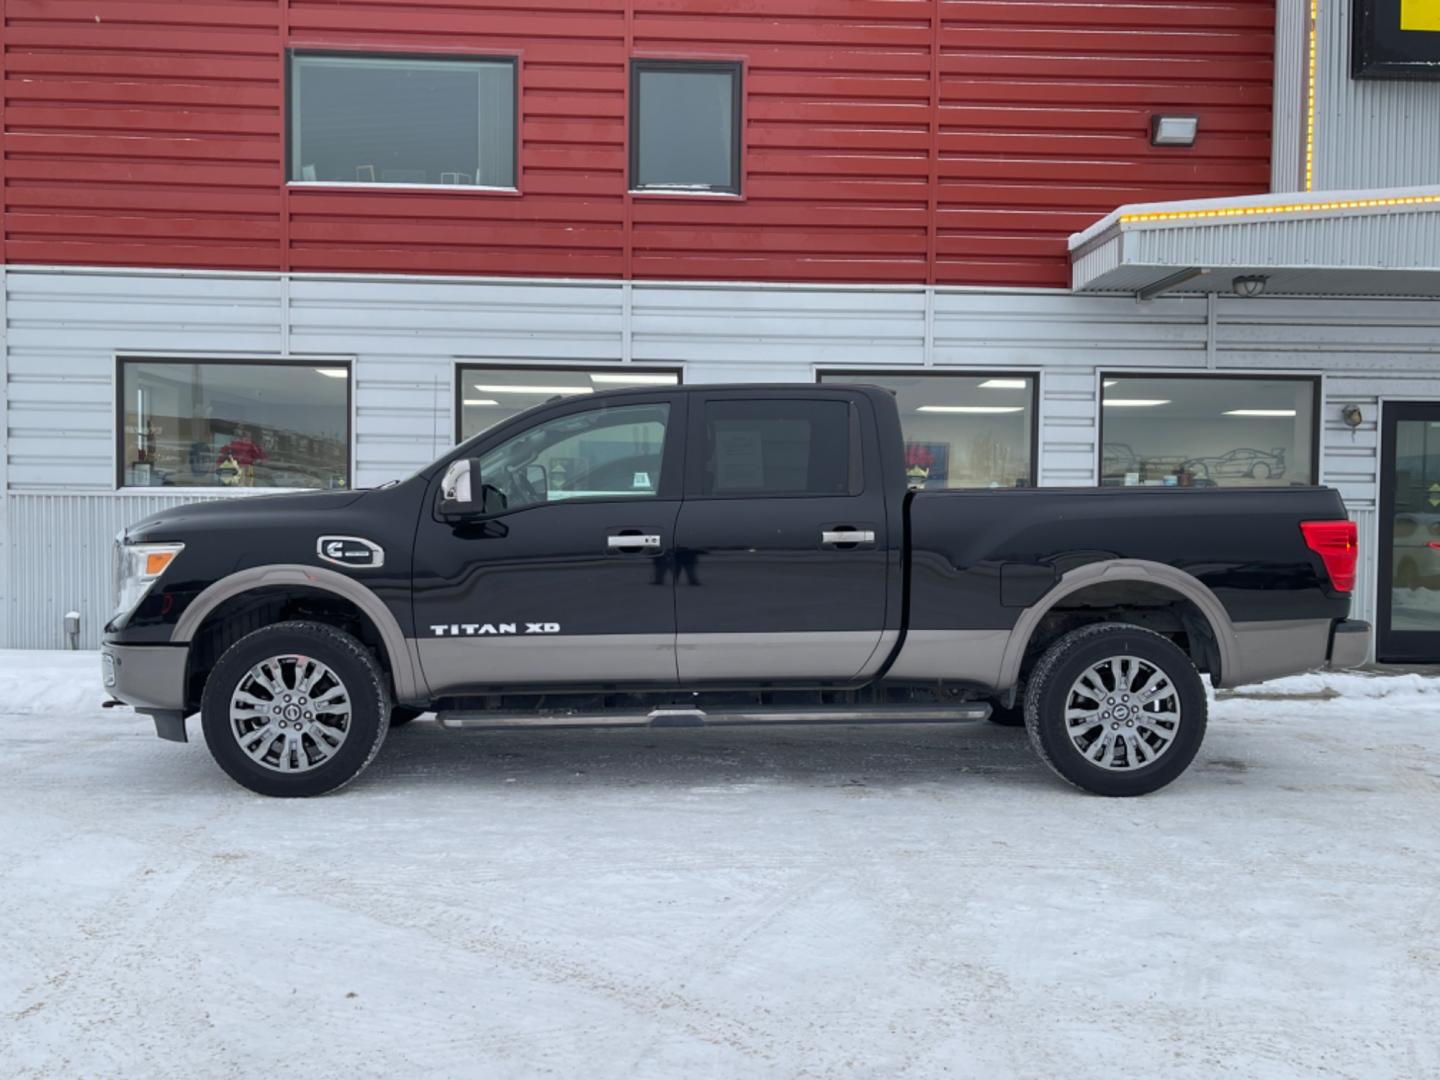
1122	713
290	713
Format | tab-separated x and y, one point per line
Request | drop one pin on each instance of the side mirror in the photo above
459	487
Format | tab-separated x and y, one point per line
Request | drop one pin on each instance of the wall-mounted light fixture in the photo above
1352	416
1249	285
1174	130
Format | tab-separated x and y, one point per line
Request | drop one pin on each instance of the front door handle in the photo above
847	536
633	542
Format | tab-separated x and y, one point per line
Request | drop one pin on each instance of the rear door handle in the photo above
632	542
847	536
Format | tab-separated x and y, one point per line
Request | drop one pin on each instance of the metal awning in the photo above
1332	243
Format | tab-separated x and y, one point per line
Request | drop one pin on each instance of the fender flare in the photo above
409	687
1120	570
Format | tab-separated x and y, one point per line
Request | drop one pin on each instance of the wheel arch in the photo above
1121	572
398	657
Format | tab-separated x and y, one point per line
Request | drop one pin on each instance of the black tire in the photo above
401	715
1048	698
365	686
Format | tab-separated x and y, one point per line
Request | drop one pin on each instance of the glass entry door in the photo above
1409	586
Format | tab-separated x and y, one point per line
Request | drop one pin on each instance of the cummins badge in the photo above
352	551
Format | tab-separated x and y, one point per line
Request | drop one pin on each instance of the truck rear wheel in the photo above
295	709
1116	709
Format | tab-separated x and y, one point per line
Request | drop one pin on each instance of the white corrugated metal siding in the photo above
1369	133
60	549
1287	135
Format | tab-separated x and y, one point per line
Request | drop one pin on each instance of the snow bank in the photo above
1348	684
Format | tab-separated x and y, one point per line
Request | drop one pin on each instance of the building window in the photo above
200	423
685	126
961	431
1207	431
487	395
401	120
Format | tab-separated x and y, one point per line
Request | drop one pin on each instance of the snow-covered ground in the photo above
878	902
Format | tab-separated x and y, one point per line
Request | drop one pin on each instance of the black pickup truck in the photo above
683	556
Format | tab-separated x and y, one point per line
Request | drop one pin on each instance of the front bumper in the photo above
152	679
1349	644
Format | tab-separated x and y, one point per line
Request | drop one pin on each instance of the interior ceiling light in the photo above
1174	130
972	408
1135	403
333	372
638	378
1005	384
547	390
1249	285
1260	412
480	401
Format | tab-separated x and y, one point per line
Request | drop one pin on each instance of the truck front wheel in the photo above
1116	709
295	709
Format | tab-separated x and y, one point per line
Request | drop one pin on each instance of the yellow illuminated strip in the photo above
1292	208
1420	14
1310	103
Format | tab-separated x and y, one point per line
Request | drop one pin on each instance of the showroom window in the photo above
486	395
961	431
685	126
204	423
402	120
1207	431
786	447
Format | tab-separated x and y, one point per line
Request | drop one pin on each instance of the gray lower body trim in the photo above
1268	650
841	655
452	664
962	656
149	677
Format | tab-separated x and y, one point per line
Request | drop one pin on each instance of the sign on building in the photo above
1396	39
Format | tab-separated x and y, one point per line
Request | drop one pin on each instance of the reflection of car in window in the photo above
1240	463
1416	551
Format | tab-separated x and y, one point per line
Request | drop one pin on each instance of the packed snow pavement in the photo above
844	902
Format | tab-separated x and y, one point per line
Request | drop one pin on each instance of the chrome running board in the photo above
679	716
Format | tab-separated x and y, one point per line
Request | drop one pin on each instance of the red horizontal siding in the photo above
957	141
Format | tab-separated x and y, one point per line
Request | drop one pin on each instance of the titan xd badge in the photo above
352	551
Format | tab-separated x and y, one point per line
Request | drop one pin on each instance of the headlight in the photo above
137	568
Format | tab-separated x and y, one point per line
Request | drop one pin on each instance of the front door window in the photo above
613	452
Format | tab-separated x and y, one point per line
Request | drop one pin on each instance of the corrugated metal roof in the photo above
1340	243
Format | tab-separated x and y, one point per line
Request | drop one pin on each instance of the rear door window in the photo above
785	447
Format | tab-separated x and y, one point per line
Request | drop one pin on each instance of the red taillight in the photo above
1335	542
